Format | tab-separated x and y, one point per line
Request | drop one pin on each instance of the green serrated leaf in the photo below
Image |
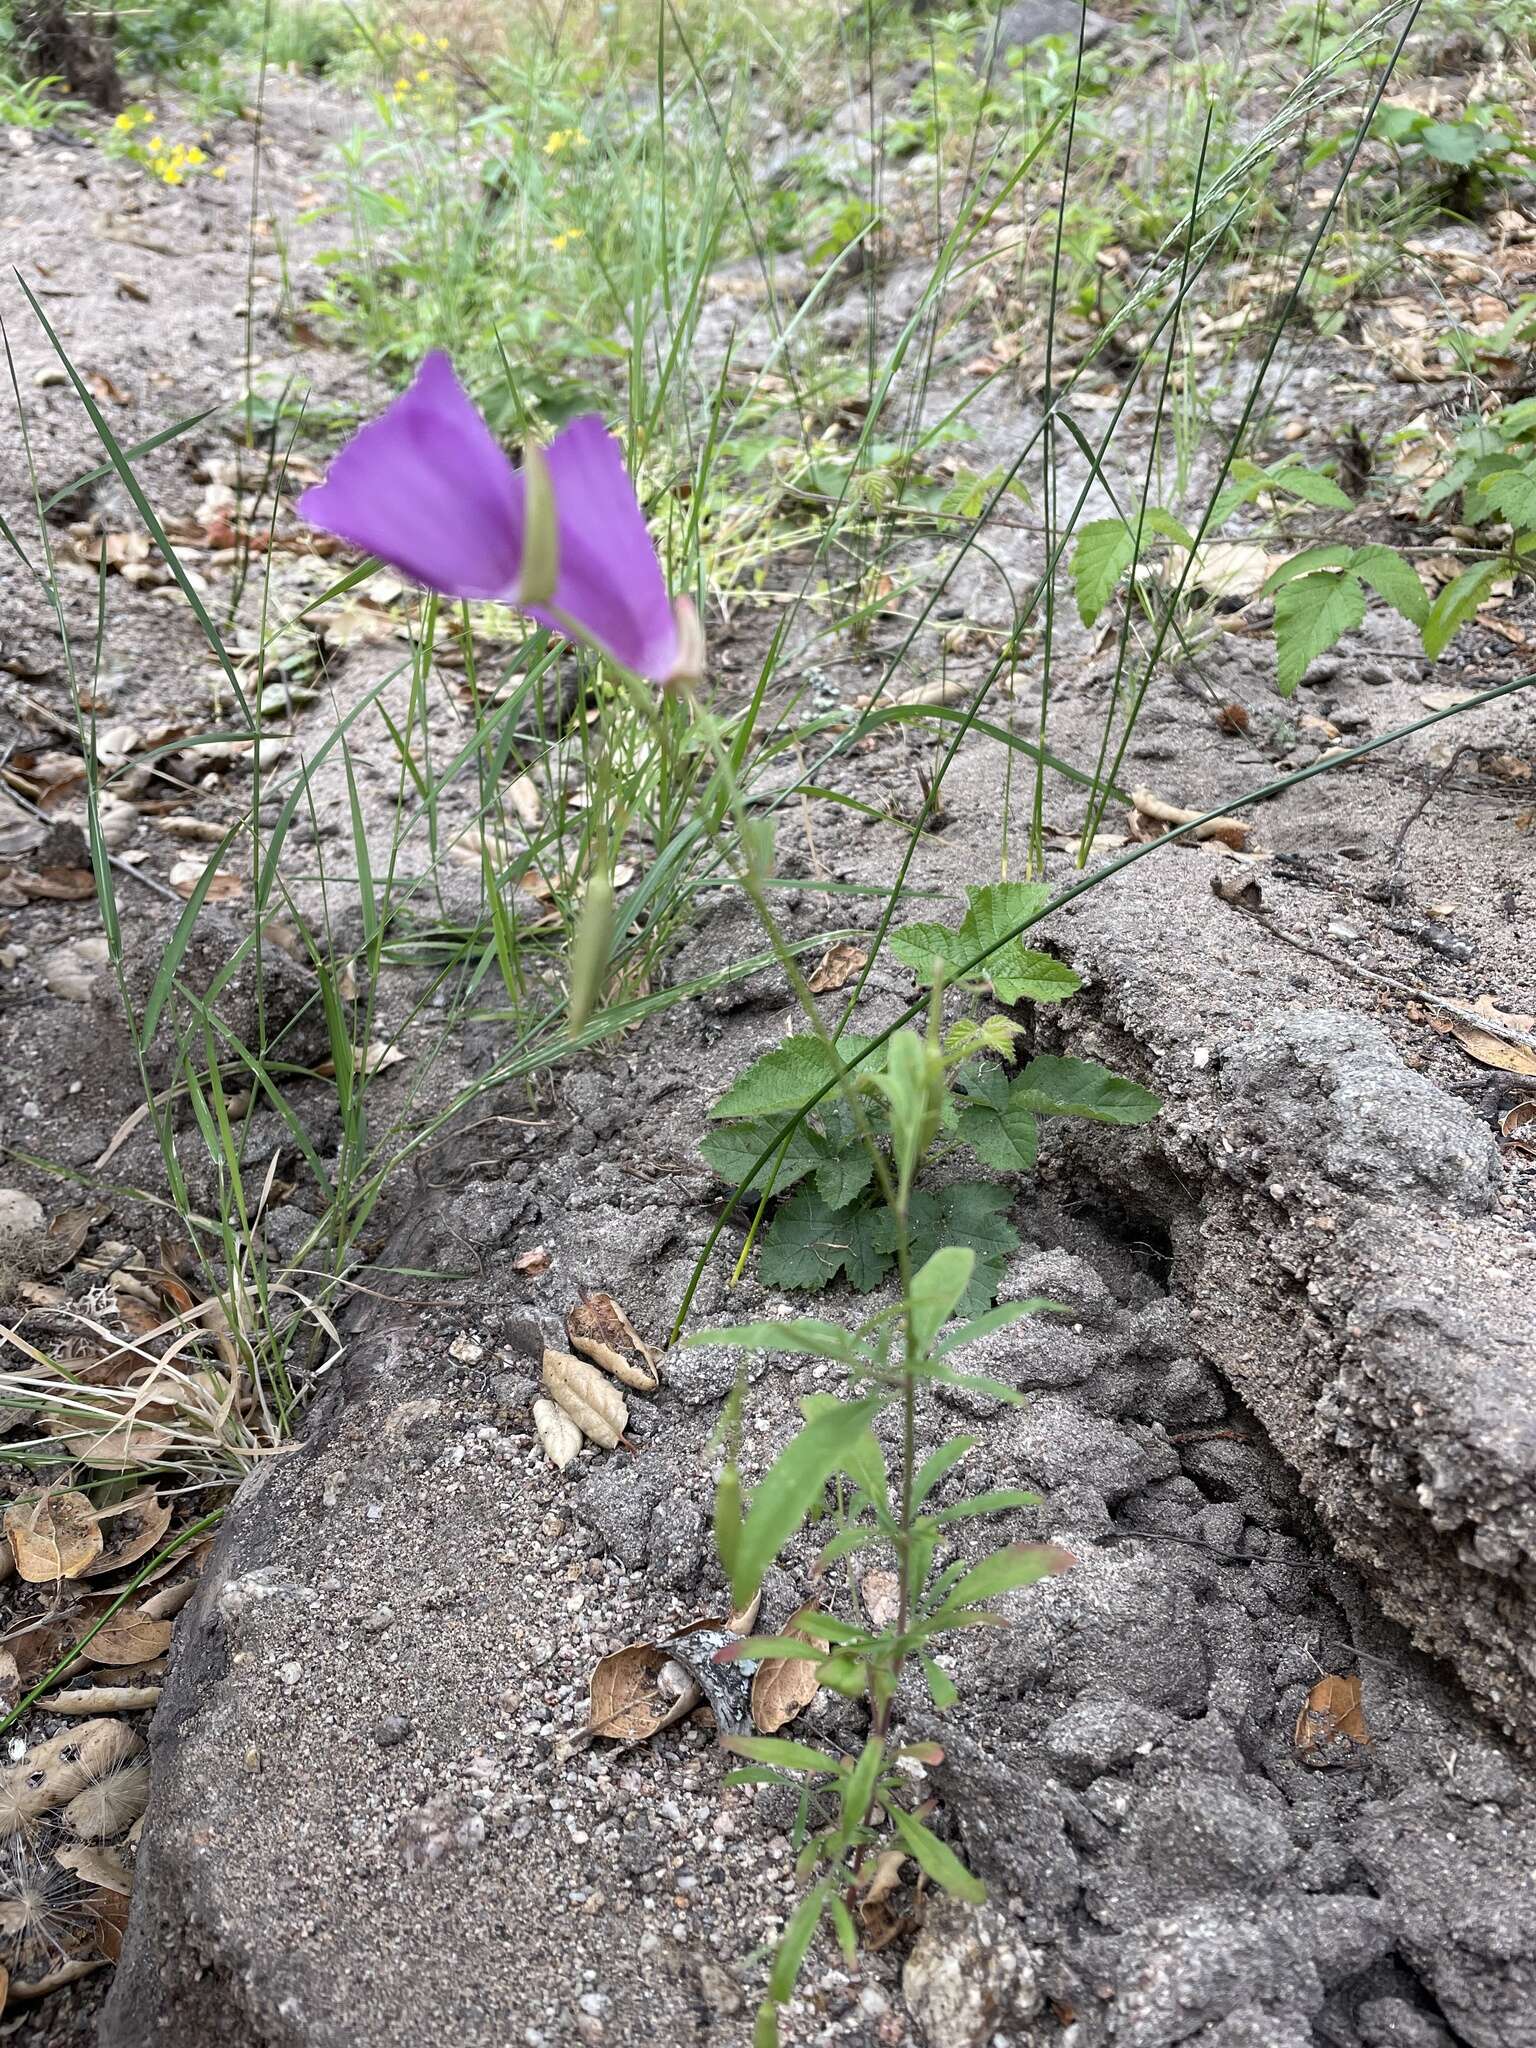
809	1243
1392	578
786	1078
1311	615
972	1213
1105	549
844	1174
1054	1086
1005	1137
937	1859
734	1149
1511	495
1337	555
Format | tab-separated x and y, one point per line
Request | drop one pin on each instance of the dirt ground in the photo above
1288	1429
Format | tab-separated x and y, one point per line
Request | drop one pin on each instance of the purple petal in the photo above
426	488
609	587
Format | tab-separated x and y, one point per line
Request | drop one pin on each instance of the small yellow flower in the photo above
171	175
402	85
124	124
155	145
567	236
417	40
556	140
441	43
221	170
422	77
195	155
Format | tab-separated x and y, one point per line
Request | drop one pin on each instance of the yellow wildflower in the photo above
568	235
171	175
221	170
441	43
124	124
563	138
422	77
417	40
155	145
402	85
195	155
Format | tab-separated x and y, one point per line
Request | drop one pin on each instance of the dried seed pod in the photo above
592	1402
110	1806
559	1435
52	1772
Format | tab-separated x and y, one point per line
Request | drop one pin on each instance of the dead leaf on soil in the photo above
109	1911
592	1402
539	1260
55	1536
99	1867
128	1530
599	1328
1232	568
881	1594
102	1699
128	1638
1153	815
559	1436
784	1686
634	1696
836	968
186	874
1330	1728
1518	1127
71	971
1489	1048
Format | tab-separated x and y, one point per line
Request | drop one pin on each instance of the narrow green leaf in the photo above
1021	1564
937	1464
998	1503
785	1755
798	1936
859	1785
937	1858
938	1286
942	1689
788	1339
785	1494
1457	603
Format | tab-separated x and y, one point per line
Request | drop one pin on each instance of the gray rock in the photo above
1029	21
968	1974
1053	1441
1095	1735
1322	1091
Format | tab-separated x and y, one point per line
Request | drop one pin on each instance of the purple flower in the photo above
426	488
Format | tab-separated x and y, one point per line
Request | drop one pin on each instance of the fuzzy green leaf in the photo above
809	1243
1311	615
1053	1086
1105	549
970	1213
1511	494
1311	486
1392	578
786	1078
734	1150
1016	972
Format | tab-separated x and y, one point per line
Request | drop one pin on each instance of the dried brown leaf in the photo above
539	1260
109	1911
128	1530
627	1702
592	1402
560	1437
600	1328
783	1687
94	1866
54	1536
881	1595
1331	1725
129	1639
102	1699
1492	1048
836	968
